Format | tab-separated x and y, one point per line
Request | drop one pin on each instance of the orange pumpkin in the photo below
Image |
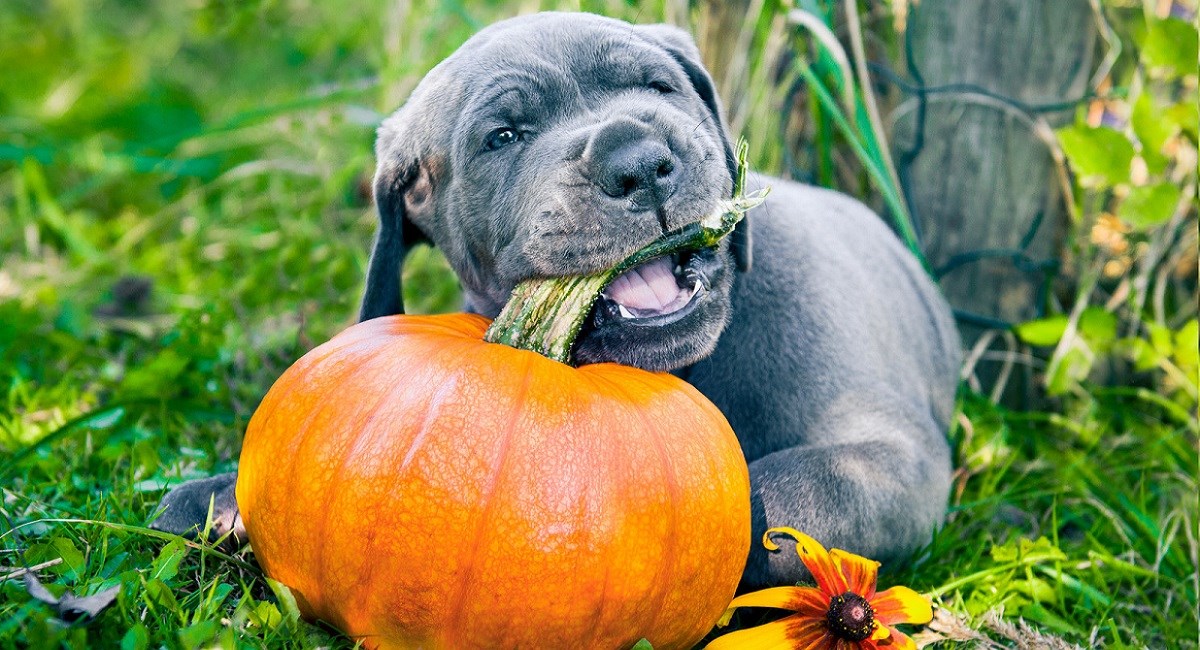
417	486
421	484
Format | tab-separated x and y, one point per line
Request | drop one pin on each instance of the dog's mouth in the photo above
658	292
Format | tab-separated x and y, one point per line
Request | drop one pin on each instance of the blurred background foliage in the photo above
185	209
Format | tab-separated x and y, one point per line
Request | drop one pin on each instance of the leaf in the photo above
642	644
1151	129
1171	43
198	634
1161	338
136	638
1033	551
1143	355
265	615
1046	618
1098	327
1187	115
166	565
1149	205
1074	366
160	594
1042	332
73	562
1100	155
1187	354
287	601
1036	590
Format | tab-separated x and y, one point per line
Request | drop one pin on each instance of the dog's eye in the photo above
659	86
502	137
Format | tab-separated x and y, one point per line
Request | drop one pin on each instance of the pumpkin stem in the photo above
544	315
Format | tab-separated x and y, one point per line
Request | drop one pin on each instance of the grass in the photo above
183	213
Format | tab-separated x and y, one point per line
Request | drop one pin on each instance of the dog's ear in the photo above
679	44
397	184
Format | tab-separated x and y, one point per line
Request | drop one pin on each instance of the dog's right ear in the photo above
397	183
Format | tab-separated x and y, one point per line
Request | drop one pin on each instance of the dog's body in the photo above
556	144
838	374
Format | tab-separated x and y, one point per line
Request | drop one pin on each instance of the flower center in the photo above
850	617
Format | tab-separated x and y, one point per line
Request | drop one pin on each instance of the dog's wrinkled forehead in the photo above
533	64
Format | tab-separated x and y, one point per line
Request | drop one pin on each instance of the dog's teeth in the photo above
625	313
695	288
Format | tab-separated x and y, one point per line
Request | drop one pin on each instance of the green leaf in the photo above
136	638
1186	115
287	601
1038	613
1151	129
166	565
1149	205
1172	44
199	634
73	562
1042	332
1161	338
1143	355
1187	354
1100	155
1073	367
1032	551
158	593
1098	327
642	644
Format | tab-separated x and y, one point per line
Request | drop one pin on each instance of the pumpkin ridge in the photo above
463	349
673	492
348	456
446	386
460	601
289	452
304	376
706	406
596	628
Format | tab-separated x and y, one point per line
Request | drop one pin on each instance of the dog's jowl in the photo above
557	144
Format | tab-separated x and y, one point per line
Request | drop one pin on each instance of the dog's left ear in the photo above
395	182
679	44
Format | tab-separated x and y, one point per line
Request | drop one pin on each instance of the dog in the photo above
557	144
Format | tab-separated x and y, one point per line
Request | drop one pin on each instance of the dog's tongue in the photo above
649	287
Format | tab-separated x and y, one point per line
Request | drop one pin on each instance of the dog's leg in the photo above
185	509
881	498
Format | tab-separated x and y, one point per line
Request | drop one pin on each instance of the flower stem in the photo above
544	315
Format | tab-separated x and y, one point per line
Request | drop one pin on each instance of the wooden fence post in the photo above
976	149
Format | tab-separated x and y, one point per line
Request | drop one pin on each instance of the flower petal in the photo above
824	570
897	641
804	600
901	605
859	571
792	633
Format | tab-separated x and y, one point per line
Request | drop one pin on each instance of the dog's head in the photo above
558	144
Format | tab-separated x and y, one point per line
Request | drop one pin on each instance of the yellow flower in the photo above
842	612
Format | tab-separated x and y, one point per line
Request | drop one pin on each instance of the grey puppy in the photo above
556	144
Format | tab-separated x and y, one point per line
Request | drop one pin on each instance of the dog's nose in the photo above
628	161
